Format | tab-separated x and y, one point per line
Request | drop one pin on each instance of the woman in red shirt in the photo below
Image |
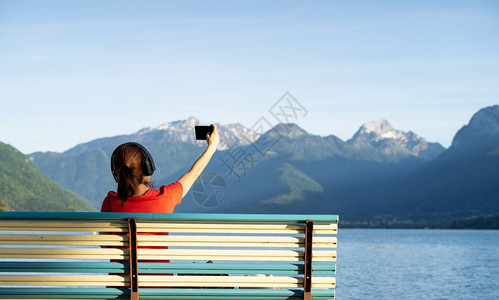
132	167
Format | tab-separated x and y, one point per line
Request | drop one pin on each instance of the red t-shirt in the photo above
163	200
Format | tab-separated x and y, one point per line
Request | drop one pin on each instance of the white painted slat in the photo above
64	280
257	281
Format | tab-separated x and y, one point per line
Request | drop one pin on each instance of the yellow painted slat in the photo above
64	226
233	255
231	241
52	239
165	240
161	227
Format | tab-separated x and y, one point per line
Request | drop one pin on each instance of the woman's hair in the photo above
127	169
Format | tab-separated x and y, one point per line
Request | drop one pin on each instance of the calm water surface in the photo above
417	264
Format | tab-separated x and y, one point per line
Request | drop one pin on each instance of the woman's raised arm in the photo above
188	179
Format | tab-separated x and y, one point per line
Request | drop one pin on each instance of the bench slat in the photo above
68	226
164	240
63	267
232	241
79	226
230	255
66	239
233	228
64	253
65	280
165	281
161	293
165	254
175	293
186	268
236	268
235	281
220	217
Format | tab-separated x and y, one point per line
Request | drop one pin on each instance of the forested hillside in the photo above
24	188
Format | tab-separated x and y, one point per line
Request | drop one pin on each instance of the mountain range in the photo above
380	176
297	164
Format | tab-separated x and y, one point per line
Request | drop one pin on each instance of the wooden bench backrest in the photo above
89	253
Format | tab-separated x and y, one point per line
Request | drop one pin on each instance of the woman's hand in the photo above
213	139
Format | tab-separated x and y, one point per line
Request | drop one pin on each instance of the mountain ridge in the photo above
460	183
482	126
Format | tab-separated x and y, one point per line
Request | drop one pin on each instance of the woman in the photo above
132	167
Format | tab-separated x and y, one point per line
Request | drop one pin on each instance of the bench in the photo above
166	256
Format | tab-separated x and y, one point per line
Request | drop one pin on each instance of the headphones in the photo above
147	164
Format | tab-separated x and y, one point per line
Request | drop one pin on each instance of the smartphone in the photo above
201	131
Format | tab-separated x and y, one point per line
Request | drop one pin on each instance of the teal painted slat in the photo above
64	267
237	268
174	216
172	293
63	293
144	268
183	293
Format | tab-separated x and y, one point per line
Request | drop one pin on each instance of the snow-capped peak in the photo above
377	130
189	122
380	127
377	133
183	131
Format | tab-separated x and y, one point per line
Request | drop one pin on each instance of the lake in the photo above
417	264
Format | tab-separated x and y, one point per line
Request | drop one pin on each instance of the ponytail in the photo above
126	182
126	167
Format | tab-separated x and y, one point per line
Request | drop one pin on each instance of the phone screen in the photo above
201	132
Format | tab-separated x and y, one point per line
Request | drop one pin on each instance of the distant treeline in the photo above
490	222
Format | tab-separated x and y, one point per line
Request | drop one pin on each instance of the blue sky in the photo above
73	71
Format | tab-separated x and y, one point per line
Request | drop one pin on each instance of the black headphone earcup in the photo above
113	170
147	166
